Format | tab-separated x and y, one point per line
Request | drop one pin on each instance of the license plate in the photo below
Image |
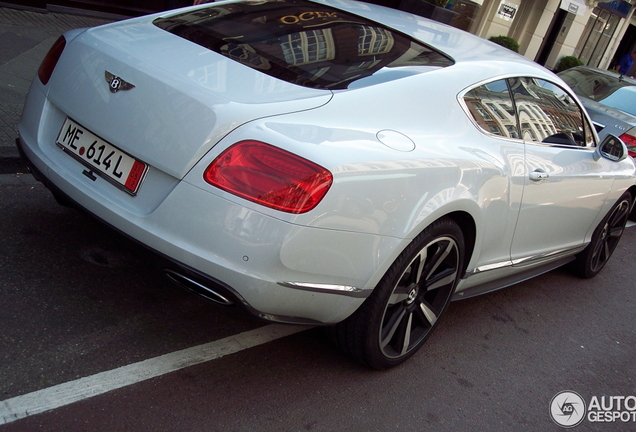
101	157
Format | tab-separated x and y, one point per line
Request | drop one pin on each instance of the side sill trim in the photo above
523	275
526	261
520	262
488	267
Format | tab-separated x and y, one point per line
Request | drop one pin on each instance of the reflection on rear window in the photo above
603	88
301	42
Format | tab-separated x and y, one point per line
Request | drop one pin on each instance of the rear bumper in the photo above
177	272
235	256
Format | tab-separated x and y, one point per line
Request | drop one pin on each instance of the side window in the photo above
492	109
548	114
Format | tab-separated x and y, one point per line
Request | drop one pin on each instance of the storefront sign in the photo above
307	16
507	11
577	7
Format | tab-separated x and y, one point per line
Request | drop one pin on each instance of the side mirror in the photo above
611	148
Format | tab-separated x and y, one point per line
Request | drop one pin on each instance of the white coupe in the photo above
327	163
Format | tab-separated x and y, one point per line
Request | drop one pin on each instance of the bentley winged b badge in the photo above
116	83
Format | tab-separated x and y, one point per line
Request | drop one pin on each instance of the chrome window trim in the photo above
563	146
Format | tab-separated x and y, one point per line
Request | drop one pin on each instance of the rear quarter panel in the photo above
389	190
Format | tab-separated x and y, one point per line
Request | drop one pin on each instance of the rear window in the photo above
301	42
603	88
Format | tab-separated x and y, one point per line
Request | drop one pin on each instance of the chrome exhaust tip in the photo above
198	288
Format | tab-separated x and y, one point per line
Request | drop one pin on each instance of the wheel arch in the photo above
469	229
632	191
465	213
466	223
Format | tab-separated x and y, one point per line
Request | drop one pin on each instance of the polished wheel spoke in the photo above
616	232
597	256
438	259
388	330
427	313
405	335
621	214
418	264
445	278
400	294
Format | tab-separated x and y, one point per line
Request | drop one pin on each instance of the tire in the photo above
604	240
405	307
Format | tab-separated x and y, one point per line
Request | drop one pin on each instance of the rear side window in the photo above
301	42
492	108
531	109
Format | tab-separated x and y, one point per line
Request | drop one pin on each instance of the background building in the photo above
596	32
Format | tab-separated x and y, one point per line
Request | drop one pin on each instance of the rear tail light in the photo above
49	62
630	142
269	176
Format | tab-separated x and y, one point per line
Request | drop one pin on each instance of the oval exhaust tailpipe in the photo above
198	288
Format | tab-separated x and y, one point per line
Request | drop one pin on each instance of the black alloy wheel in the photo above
604	240
404	309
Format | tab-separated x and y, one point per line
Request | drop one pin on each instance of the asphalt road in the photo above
78	299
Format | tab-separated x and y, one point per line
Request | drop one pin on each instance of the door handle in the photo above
538	175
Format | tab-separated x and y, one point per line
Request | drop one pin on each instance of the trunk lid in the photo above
185	97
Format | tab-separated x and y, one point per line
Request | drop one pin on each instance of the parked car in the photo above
327	163
610	100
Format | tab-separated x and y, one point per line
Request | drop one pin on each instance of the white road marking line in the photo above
74	391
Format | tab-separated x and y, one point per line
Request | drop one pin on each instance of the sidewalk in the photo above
25	38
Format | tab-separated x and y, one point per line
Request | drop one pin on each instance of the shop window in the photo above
465	13
597	35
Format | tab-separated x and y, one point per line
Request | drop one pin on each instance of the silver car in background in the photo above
610	100
327	163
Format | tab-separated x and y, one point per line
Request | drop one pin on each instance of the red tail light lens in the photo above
49	62
269	176
630	142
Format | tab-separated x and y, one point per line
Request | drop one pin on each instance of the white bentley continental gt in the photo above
327	162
